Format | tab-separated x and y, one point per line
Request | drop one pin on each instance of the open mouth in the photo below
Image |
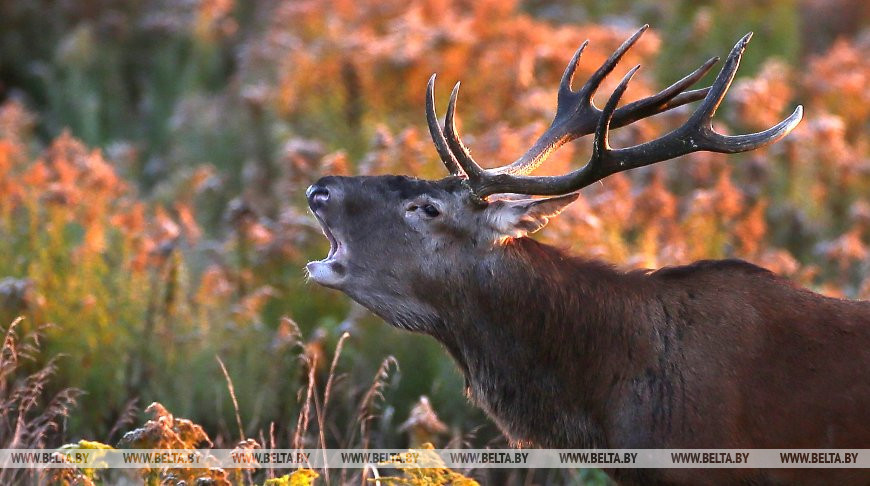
331	271
334	244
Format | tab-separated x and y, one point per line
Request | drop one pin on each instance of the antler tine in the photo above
703	116
576	114
670	97
437	134
695	135
704	113
601	143
594	81
463	156
570	69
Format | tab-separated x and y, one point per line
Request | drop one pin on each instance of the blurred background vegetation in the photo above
154	156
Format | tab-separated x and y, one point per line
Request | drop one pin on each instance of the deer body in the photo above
586	356
564	352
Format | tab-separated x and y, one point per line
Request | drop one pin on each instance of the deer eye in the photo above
430	210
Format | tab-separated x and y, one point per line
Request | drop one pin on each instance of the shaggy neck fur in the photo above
541	320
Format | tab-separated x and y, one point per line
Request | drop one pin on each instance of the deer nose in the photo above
317	196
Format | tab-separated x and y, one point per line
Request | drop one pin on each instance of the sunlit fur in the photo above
566	352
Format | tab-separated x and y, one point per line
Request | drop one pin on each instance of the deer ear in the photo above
520	217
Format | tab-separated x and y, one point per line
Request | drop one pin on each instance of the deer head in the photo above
406	248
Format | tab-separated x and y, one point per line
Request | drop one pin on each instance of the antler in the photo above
577	116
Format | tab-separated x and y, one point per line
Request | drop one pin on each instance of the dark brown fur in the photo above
718	354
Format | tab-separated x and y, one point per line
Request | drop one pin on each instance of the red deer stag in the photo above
566	352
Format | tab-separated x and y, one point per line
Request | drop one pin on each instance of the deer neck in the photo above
542	337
